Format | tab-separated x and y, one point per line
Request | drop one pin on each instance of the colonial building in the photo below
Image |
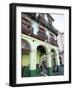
40	55
60	40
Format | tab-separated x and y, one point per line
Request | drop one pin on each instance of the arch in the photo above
41	58
25	57
25	46
41	50
52	50
43	47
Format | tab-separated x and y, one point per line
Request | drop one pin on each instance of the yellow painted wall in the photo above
25	59
38	57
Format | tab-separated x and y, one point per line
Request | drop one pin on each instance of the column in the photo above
57	60
49	64
33	63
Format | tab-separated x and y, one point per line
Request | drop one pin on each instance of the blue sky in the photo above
59	21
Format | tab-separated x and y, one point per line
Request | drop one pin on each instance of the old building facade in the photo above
60	41
40	54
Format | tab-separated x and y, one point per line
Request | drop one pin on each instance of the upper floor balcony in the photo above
52	41
26	26
47	24
32	15
41	19
27	30
42	36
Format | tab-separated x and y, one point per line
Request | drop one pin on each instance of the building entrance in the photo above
42	60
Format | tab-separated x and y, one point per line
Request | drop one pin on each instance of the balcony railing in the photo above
32	15
46	24
27	30
42	36
41	19
52	41
25	22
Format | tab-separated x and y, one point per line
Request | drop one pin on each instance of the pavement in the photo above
60	72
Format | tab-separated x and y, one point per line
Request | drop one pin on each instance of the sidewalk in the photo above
61	72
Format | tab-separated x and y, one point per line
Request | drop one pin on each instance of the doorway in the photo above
42	60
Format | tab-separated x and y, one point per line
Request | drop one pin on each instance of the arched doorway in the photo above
53	59
25	49
41	60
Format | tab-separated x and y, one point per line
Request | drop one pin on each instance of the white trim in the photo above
19	79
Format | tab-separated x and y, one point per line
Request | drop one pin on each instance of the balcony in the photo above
26	21
52	41
32	15
27	30
41	19
42	36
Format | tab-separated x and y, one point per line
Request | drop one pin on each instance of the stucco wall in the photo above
34	43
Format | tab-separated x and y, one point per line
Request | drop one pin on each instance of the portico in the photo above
37	57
